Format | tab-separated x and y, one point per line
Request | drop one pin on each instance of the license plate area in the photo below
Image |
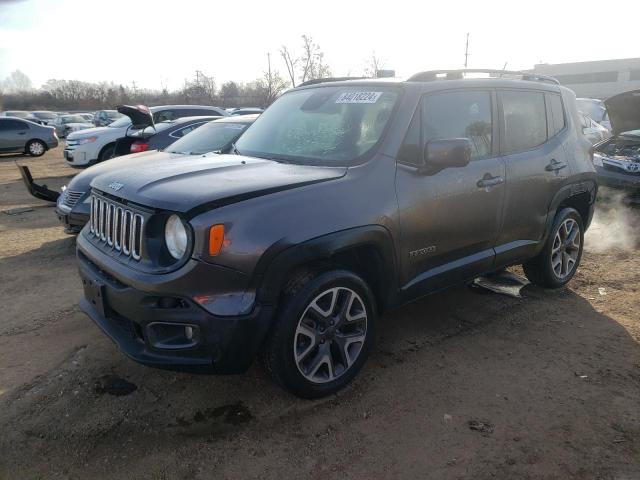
94	293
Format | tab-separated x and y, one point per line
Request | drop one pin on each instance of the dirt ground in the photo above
463	384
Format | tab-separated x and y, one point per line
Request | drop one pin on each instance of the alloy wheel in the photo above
330	335
36	148
566	248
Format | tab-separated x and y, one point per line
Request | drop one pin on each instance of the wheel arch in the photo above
367	251
110	144
579	196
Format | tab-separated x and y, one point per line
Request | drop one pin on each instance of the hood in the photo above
95	131
624	111
140	115
82	181
181	183
79	125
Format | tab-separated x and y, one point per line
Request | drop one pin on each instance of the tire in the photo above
311	354
107	152
36	148
544	270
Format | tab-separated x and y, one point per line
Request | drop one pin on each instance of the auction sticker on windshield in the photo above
358	97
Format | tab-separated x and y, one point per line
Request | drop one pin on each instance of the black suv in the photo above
344	199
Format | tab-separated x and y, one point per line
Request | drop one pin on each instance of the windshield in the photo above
210	137
334	125
121	122
17	114
113	114
73	119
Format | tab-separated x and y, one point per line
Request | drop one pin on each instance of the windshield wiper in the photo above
234	149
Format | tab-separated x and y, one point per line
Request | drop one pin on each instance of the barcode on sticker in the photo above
358	97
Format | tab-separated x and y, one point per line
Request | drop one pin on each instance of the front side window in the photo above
460	115
525	120
329	125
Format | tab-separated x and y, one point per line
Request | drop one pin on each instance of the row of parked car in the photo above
285	235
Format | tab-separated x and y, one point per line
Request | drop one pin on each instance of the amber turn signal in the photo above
216	239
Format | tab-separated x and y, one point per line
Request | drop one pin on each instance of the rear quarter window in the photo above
557	123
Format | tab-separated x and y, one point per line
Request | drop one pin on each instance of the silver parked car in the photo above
592	129
65	124
19	135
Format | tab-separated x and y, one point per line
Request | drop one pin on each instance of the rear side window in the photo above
525	120
460	115
11	124
557	112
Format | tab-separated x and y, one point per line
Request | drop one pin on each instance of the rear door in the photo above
450	220
13	134
533	128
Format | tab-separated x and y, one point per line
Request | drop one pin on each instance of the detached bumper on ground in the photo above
170	331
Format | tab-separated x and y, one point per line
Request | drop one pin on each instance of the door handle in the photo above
555	166
489	181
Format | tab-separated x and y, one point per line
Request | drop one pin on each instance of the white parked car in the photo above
592	129
99	143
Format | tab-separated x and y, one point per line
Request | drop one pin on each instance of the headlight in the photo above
175	236
597	160
82	141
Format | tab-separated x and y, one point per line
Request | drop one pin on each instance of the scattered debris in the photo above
485	428
113	385
447	417
602	291
39	191
18	211
504	282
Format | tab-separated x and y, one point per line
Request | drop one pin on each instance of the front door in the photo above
450	220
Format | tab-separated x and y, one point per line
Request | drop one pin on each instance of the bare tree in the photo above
17	82
312	60
291	64
374	64
272	84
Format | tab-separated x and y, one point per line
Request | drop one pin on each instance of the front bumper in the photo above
129	316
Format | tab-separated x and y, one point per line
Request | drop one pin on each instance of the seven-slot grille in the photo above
117	226
71	198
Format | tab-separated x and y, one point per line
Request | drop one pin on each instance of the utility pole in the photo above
466	52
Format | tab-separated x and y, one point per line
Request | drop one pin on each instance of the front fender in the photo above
279	261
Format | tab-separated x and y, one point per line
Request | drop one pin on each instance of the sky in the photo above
161	43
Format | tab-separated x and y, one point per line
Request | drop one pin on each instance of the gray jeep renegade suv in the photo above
343	200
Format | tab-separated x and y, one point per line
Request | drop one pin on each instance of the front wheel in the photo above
322	335
558	261
36	148
107	153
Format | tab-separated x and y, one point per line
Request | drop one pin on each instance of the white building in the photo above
599	79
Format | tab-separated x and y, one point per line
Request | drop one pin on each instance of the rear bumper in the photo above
130	317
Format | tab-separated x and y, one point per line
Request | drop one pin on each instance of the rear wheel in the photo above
36	148
322	335
558	261
107	152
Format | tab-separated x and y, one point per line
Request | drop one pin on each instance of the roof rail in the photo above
330	79
459	74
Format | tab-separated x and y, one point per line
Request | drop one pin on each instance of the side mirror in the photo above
446	153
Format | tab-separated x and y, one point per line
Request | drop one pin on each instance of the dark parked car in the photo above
218	136
159	135
617	159
345	199
18	135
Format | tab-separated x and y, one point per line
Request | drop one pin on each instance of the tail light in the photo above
138	146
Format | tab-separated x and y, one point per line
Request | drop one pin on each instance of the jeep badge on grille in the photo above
116	186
